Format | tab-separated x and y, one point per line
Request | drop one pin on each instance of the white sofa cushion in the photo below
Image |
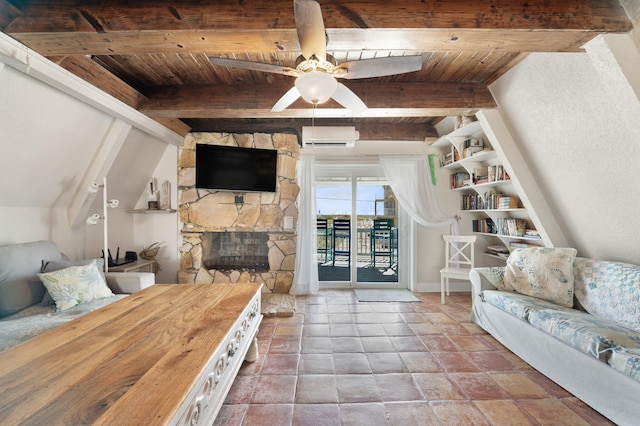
518	305
588	333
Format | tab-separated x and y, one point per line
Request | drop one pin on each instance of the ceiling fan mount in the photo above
317	72
315	64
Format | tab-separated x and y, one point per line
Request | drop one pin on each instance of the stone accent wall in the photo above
215	211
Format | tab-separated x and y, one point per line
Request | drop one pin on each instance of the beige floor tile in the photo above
459	413
519	385
550	411
437	387
504	413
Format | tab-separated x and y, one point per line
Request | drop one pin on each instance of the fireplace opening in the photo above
236	251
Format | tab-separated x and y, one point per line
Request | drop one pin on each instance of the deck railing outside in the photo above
362	241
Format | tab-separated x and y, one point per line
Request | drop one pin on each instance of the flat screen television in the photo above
232	168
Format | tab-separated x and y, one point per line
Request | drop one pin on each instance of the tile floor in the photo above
339	361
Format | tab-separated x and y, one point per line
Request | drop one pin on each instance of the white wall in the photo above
578	128
21	224
58	134
161	227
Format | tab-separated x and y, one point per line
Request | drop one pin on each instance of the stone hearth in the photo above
203	212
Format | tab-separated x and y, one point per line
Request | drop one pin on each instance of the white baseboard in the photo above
460	286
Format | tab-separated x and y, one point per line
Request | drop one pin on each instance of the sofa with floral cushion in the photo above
576	320
41	289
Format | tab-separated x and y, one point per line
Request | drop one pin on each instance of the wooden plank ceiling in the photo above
153	54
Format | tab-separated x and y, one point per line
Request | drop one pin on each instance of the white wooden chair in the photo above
459	259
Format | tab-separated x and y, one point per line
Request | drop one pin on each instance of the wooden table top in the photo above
131	362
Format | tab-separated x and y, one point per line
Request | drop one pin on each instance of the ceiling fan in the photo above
316	71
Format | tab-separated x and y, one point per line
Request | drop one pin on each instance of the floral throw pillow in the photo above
75	285
545	273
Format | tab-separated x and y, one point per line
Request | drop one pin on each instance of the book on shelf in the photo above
473	142
500	251
485	226
497	173
510	227
470	151
450	157
516	245
446	159
479	175
459	179
472	202
508	202
491	199
532	233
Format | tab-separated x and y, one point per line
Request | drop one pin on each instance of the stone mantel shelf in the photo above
279	232
151	211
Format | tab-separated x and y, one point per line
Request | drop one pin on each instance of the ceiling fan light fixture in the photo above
316	87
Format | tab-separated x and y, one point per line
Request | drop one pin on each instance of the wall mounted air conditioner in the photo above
329	136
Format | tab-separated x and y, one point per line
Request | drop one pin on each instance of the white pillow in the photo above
75	285
545	273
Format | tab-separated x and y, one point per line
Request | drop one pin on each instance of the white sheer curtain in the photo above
305	279
410	180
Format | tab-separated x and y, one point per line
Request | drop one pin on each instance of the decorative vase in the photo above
165	196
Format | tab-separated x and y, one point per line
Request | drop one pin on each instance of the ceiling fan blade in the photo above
310	27
379	67
345	97
287	99
254	66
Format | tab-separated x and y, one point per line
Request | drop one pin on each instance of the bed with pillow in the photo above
40	289
576	320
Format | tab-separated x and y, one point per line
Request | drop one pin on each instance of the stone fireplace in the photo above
244	251
224	241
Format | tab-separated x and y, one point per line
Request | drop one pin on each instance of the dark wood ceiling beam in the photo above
8	14
98	76
274	41
96	28
369	129
94	74
256	100
168	15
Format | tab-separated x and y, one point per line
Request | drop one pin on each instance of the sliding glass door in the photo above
357	228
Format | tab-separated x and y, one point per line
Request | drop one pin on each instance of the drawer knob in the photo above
231	353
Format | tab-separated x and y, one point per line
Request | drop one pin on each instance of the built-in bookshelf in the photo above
490	204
